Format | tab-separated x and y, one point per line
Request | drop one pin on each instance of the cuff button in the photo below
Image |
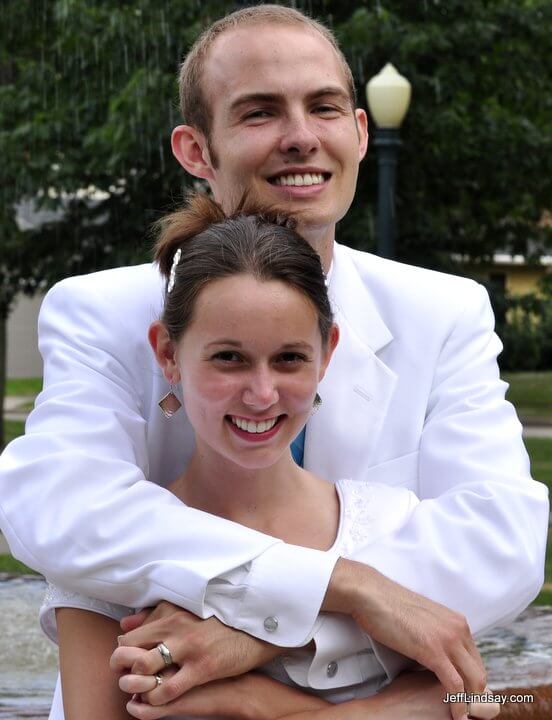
331	669
271	624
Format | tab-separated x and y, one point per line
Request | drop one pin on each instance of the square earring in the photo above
316	404
169	404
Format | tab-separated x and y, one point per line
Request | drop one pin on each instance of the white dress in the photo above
368	511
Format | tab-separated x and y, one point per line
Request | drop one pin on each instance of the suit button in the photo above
271	624
331	670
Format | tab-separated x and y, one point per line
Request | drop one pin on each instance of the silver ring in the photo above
165	654
158	680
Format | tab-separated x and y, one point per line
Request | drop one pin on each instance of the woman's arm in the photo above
90	688
247	697
413	696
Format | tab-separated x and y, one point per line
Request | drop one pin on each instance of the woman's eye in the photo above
291	357
227	356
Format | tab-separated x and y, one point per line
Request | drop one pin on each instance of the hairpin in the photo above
176	260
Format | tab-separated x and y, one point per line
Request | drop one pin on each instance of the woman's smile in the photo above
255	431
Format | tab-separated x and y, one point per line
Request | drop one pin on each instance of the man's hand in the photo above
429	633
203	650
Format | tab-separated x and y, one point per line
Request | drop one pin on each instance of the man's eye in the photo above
326	109
257	114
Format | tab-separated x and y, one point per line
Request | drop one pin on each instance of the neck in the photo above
322	240
252	497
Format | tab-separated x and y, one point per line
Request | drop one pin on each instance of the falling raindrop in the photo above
162	156
437	85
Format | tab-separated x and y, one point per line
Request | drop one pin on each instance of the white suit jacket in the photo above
412	397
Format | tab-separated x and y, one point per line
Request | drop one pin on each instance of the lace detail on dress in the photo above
358	514
60	597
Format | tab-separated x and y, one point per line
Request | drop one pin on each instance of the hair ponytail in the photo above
174	229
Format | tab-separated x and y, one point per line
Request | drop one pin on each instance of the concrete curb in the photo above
4	548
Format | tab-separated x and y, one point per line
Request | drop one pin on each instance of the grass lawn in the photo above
540	452
11	565
13	429
25	387
531	393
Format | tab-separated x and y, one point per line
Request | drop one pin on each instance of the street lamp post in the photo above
388	94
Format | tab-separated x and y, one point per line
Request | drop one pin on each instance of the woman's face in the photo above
249	364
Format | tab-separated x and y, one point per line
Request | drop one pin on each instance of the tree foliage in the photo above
88	99
475	170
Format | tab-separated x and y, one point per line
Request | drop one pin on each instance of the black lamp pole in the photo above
388	95
387	142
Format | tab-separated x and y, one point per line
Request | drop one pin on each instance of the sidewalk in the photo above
16	408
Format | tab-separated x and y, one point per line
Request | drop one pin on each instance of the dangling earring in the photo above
316	404
169	403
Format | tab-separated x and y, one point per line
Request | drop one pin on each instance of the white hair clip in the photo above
176	260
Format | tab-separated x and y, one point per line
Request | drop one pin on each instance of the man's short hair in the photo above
195	108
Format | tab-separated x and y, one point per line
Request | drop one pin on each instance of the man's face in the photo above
283	125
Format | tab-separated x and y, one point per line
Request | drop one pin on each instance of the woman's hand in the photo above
202	650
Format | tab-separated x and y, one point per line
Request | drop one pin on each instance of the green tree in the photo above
88	99
475	169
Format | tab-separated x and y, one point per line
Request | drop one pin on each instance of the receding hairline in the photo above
261	23
267	16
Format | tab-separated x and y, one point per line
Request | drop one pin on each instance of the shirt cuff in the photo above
276	597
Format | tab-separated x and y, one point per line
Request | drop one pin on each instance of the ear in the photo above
362	129
333	339
190	149
164	350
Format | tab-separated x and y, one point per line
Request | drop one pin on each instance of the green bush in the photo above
524	325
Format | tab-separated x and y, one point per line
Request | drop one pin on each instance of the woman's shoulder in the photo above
371	510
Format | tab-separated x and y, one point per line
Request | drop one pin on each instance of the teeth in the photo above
299	180
254	427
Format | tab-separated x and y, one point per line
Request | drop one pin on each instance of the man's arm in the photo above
75	503
476	541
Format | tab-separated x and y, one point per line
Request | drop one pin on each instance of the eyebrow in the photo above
300	344
259	97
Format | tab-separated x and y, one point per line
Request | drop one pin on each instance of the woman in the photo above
247	330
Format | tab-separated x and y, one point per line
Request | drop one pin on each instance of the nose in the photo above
260	391
299	136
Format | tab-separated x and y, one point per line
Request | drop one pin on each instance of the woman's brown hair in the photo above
252	240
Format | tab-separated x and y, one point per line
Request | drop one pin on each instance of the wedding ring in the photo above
165	654
158	680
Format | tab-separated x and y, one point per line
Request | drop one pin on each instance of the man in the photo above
268	102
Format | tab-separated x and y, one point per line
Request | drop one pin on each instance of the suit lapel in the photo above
342	436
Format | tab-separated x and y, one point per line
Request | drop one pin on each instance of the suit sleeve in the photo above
76	505
476	542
